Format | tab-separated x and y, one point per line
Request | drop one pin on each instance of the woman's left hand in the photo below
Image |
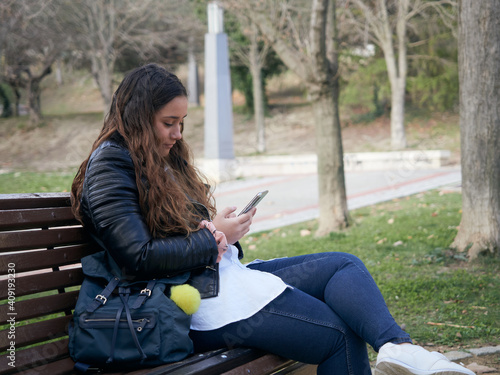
234	227
219	236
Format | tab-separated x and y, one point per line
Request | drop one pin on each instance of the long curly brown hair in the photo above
166	199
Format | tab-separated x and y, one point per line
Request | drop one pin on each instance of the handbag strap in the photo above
102	298
115	332
124	297
144	294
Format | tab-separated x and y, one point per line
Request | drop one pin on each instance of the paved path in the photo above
294	198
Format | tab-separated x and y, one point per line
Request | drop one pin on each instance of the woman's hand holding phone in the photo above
234	227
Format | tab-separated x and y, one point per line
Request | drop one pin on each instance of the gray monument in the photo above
219	159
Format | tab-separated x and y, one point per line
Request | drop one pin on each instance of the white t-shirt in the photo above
242	293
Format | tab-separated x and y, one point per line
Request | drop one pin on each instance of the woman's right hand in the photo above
234	227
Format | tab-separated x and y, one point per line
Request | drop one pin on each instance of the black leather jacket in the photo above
111	212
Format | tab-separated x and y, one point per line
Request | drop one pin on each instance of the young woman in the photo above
139	193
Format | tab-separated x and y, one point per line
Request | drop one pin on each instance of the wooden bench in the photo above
41	245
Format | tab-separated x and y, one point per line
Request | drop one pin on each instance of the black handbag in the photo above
119	323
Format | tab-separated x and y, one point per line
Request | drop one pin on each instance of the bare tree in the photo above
479	75
253	57
31	40
385	23
257	57
6	21
104	29
303	34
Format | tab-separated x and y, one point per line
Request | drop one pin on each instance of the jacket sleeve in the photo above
110	201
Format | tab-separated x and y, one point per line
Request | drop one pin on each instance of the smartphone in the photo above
254	202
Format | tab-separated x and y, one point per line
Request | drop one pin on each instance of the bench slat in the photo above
40	355
60	367
298	368
37	260
268	364
218	364
41	306
37	332
41	282
34	200
36	218
37	239
169	368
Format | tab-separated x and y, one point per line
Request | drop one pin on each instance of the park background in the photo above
445	301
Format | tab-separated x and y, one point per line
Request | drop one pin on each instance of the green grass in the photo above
404	243
35	182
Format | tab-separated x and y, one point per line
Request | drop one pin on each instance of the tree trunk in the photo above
35	115
102	71
479	75
33	91
397	70
398	134
258	106
333	211
324	91
59	78
317	66
17	101
6	106
258	95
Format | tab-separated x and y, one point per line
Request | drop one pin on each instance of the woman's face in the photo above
169	121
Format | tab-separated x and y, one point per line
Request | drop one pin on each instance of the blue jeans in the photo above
333	310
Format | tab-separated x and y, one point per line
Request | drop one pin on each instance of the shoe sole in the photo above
387	368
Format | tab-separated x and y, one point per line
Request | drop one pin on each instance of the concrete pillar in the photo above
219	148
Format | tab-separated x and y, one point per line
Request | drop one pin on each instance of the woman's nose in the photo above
177	132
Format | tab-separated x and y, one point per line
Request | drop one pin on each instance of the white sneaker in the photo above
414	360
